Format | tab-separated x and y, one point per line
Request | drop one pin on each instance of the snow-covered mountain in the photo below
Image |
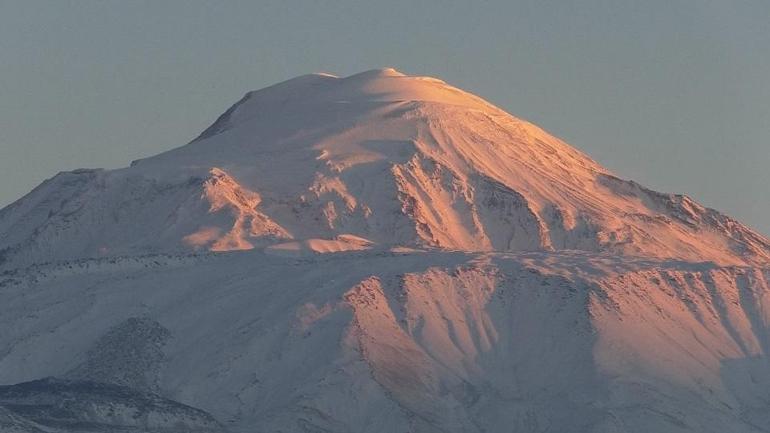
382	253
389	159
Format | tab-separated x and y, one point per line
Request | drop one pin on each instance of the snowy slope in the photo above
377	253
392	159
394	342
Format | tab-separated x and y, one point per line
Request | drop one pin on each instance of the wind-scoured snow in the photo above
379	253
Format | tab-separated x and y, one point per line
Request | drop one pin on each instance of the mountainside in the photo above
396	342
377	253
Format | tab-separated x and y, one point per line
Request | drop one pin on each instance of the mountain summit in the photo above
401	255
381	157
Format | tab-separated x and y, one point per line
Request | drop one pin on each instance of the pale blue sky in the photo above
674	94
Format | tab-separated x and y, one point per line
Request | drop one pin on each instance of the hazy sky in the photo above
673	94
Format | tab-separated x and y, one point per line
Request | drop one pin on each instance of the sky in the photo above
673	94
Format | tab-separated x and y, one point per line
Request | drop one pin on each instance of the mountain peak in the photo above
394	160
375	85
381	72
460	270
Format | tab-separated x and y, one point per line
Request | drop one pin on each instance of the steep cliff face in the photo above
377	253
